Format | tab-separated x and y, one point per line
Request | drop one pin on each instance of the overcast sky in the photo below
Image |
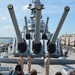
53	9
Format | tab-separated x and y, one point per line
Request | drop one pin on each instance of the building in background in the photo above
68	39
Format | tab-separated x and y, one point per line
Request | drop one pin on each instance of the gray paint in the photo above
15	24
37	27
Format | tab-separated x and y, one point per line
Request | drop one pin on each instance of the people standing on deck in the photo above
21	61
70	51
46	64
29	63
66	51
6	52
6	49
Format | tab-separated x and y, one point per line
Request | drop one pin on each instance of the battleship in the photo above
36	40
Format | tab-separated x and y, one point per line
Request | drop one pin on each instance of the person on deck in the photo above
21	61
29	63
46	64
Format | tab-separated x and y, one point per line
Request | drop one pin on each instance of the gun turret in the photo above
51	44
35	38
21	44
37	44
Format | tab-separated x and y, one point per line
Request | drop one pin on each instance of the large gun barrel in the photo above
51	44
46	29
13	17
21	45
60	24
37	26
37	43
46	25
27	32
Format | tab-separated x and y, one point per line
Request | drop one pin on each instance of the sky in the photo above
53	9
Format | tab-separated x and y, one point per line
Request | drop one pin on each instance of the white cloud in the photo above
4	18
25	7
26	11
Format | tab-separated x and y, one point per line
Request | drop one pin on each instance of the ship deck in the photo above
53	67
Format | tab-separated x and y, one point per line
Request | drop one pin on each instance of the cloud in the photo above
26	11
25	7
4	18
